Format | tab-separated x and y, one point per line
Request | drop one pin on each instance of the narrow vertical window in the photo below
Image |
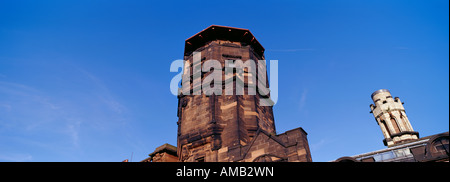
395	125
387	128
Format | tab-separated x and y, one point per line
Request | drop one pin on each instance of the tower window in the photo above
386	127
441	145
395	124
384	102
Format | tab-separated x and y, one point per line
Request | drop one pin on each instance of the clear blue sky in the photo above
89	80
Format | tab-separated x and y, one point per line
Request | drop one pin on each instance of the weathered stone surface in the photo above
230	127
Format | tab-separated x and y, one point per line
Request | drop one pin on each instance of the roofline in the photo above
201	38
413	143
164	148
379	91
221	26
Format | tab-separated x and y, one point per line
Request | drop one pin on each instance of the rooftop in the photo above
379	91
164	148
217	32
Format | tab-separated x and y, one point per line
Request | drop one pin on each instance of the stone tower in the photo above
391	117
229	127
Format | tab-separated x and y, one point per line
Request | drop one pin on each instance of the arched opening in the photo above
346	159
395	124
386	127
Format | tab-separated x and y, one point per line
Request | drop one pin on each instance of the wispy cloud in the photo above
15	89
104	94
302	101
6	107
72	130
316	146
16	157
24	107
48	119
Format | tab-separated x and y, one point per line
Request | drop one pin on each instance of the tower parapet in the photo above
391	117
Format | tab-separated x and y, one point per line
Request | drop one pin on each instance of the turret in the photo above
391	117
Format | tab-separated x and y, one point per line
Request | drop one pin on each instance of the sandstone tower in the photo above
236	127
391	117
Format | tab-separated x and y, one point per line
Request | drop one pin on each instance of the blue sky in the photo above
89	80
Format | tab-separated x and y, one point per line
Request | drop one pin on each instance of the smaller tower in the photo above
391	117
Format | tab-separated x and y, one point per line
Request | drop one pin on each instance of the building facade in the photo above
230	127
236	127
163	153
238	124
